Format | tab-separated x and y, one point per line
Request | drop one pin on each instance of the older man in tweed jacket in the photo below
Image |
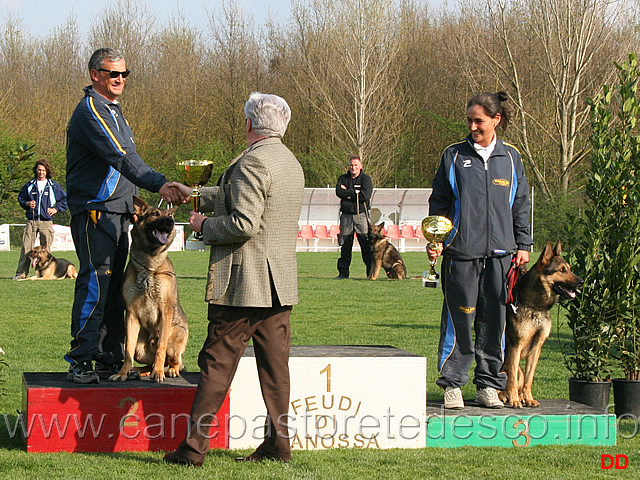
252	281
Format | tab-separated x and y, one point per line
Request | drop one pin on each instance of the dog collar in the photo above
44	265
149	268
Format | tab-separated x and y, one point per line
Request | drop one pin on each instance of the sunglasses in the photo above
115	73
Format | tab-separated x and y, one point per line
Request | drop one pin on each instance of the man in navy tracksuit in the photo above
481	187
42	197
103	173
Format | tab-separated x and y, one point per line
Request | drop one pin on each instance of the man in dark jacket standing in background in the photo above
354	189
104	172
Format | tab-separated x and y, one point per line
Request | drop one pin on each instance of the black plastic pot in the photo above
626	395
594	394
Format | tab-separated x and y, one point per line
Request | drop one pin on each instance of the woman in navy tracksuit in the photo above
481	187
42	198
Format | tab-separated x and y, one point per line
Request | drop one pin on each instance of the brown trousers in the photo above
230	329
32	229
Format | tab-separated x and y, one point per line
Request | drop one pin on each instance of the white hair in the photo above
269	114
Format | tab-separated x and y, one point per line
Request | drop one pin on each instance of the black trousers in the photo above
344	261
350	223
97	316
474	302
229	332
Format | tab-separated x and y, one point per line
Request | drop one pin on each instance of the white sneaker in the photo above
488	397
453	398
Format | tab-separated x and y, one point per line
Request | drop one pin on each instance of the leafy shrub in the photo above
604	241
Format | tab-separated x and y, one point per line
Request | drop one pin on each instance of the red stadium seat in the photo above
334	230
407	232
306	232
305	235
393	232
321	232
324	241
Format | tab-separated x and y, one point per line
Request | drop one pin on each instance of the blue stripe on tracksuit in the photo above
113	176
93	294
109	185
514	184
455	221
102	250
473	288
448	339
460	307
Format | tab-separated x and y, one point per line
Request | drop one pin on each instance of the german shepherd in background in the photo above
48	267
157	330
529	323
385	256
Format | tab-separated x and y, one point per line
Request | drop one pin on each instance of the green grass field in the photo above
34	333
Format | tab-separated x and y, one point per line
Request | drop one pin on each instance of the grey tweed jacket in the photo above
254	227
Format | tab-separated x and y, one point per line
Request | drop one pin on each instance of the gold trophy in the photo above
195	173
436	229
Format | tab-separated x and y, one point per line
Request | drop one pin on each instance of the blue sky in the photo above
39	17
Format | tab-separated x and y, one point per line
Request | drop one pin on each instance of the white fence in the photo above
62	240
402	210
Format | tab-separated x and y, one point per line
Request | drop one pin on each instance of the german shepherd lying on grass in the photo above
385	256
157	330
48	267
529	324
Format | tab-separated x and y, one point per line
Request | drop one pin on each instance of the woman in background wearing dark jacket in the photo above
42	198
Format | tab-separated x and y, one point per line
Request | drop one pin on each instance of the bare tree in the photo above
179	55
436	92
236	69
128	26
17	52
60	76
348	52
567	47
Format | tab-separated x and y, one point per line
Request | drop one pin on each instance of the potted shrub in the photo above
616	114
626	391
587	354
604	239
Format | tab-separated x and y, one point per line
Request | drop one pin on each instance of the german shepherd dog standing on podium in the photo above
385	256
157	330
529	320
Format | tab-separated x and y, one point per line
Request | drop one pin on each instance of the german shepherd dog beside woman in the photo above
529	320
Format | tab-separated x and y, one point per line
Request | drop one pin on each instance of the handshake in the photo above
175	193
